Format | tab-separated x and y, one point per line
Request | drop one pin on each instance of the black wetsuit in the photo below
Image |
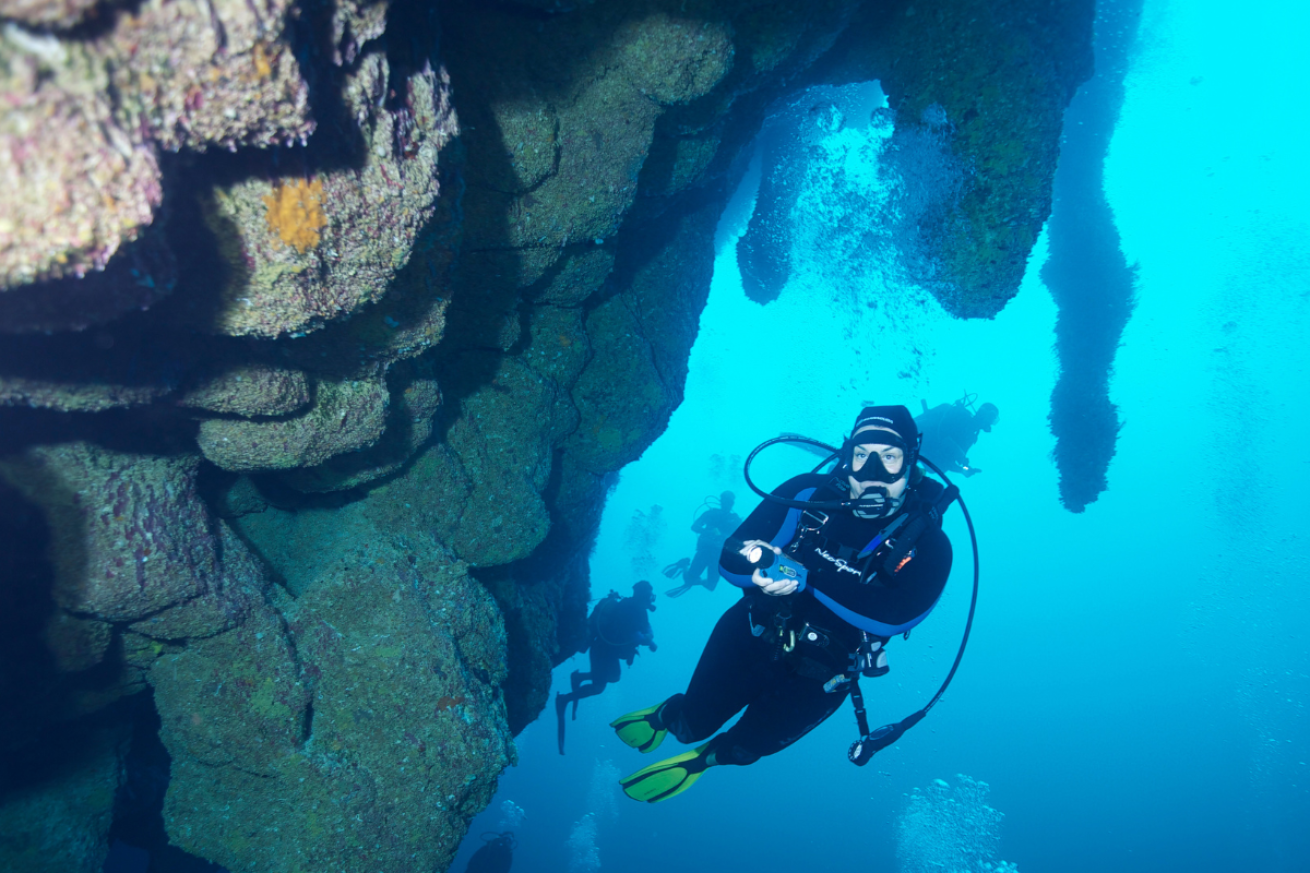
618	628
712	528
495	856
784	693
948	432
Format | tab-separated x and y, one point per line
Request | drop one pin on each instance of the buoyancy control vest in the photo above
883	557
899	539
613	625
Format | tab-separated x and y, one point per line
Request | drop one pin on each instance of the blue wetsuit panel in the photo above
883	607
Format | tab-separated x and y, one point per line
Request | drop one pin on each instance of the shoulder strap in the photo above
925	515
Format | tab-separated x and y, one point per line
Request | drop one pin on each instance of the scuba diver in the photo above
495	856
712	527
832	565
617	626
950	430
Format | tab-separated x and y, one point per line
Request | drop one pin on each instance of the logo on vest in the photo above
839	563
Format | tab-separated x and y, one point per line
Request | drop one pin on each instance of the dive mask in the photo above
875	501
871	467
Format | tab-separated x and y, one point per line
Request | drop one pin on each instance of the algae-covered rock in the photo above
529	128
1000	77
59	667
409	320
240	497
84	118
78	183
226	601
641	338
48	13
495	464
415	397
346	416
234	698
546	166
132	544
354	23
774	47
504	442
678	162
557	347
218	74
575	276
400	654
75	395
304	248
249	390
130	536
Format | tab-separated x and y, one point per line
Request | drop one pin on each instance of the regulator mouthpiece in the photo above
876	502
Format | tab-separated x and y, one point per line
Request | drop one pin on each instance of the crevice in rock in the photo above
26	590
139	804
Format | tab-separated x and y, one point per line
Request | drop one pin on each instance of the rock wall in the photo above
323	331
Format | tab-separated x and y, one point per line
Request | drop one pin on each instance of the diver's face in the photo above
893	461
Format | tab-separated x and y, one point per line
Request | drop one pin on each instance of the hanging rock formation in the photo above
1087	273
990	81
314	385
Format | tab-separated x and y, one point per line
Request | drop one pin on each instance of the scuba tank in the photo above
596	621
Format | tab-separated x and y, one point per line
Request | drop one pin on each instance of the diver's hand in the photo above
971	471
774	587
750	545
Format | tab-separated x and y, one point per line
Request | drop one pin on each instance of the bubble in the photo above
950	829
511	816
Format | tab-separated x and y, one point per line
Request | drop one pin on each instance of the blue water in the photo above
1135	692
